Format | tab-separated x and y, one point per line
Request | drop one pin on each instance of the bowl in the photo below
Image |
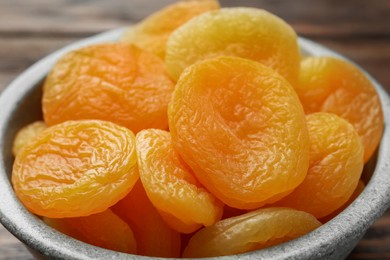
20	104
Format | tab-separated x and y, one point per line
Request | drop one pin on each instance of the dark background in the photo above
358	29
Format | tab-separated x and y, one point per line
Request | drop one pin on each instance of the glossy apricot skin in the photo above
153	32
104	229
154	237
337	86
115	82
75	169
26	134
245	138
171	186
336	164
359	189
185	227
243	32
254	230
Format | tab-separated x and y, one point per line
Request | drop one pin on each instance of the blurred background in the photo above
358	29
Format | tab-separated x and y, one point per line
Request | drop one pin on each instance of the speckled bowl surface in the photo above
20	104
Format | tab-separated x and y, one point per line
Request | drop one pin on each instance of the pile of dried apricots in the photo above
202	132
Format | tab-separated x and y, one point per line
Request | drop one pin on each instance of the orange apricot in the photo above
254	230
336	163
359	189
153	32
154	237
185	227
171	186
26	134
243	32
241	128
75	169
104	229
115	82
337	86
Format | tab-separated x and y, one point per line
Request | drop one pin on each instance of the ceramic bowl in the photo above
20	104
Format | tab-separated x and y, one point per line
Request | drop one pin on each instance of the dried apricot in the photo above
171	186
254	230
115	82
103	229
154	237
153	32
239	138
337	86
185	227
336	163
240	126
359	189
75	169
244	32
26	134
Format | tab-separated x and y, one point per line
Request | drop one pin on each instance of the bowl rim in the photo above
350	224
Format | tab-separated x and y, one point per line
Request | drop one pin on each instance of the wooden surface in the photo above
358	29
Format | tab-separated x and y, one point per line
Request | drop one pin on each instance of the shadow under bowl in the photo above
20	104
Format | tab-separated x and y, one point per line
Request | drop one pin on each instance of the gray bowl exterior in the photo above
20	104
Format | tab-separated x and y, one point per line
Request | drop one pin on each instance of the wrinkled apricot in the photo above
359	189
116	82
336	163
254	230
170	185
75	169
244	32
337	86
240	126
152	33
154	237
27	133
103	229
239	138
185	227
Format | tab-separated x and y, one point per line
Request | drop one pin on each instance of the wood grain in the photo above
324	18
358	29
11	248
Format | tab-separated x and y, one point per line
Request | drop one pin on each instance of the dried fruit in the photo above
115	82
337	86
103	229
243	32
75	169
170	185
153	32
359	189
239	138
254	230
26	134
247	142
154	237
336	163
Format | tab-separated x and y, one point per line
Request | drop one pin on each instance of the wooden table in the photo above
358	29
